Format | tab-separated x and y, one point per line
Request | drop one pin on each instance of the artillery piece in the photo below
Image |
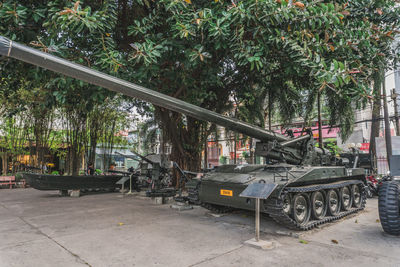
309	188
153	174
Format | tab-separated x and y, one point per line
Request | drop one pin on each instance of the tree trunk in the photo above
376	114
92	151
75	159
320	141
5	163
184	134
205	153
269	111
251	151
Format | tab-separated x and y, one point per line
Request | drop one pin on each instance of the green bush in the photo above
223	160
18	176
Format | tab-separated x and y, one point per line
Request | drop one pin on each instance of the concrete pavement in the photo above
38	228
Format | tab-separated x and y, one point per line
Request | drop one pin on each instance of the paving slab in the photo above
41	253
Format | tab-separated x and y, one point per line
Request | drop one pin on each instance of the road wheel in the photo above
389	207
356	195
287	204
334	203
318	203
345	197
301	208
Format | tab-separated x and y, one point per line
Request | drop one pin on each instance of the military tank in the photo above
310	189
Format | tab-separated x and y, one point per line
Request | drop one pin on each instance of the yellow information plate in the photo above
227	193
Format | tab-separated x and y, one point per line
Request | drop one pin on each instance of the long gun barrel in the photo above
21	52
137	155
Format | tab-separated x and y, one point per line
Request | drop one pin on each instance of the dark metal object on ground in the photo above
56	182
162	192
298	167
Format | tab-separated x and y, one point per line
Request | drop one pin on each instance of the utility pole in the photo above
396	111
388	137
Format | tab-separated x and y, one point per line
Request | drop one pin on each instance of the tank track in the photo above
216	208
274	206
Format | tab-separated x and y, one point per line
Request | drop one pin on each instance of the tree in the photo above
206	51
266	54
78	33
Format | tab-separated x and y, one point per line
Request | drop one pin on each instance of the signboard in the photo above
258	190
326	132
224	192
7	178
381	155
364	147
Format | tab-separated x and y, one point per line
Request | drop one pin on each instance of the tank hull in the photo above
223	187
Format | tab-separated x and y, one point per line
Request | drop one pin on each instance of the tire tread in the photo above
389	210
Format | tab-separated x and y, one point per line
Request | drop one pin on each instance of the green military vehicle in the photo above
309	188
309	192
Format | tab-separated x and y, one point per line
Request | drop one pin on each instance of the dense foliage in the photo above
262	56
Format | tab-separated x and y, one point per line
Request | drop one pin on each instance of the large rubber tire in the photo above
389	207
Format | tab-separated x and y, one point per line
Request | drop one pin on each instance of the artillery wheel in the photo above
389	207
287	205
334	203
356	195
301	208
346	198
318	203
